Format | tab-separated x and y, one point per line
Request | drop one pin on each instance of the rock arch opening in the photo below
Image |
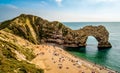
91	42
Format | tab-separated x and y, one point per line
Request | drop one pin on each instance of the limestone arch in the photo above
99	33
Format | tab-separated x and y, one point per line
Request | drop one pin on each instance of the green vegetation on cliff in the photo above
33	28
9	60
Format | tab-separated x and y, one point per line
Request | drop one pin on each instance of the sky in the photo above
63	10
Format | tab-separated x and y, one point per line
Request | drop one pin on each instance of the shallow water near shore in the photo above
109	58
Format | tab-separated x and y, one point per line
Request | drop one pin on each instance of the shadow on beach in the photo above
83	49
77	49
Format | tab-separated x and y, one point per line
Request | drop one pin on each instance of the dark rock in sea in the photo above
38	30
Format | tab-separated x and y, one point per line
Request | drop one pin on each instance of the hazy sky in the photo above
63	10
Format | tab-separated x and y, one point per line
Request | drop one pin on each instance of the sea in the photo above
109	58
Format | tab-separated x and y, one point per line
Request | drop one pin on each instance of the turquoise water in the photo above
109	57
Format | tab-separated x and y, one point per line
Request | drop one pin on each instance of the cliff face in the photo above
38	30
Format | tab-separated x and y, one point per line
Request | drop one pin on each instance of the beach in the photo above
54	59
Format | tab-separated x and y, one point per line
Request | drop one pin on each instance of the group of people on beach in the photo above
59	57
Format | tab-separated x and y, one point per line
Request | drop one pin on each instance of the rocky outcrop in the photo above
38	30
78	38
100	33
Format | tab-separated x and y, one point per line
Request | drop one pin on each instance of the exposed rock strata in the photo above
38	30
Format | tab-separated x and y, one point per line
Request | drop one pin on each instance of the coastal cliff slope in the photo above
15	57
38	30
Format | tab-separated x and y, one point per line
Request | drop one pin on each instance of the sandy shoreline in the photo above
94	64
53	59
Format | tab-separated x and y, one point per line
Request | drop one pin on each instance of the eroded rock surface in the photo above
38	30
